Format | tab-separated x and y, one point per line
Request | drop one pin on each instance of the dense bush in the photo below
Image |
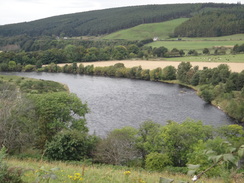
157	161
70	145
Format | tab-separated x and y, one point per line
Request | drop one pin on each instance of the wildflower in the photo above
194	178
127	173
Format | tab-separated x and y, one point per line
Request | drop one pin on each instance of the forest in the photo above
100	22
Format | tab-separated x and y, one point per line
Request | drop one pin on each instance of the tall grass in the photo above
96	173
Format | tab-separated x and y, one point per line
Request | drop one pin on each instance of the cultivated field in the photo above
145	64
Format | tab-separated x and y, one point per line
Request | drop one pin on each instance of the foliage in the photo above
56	111
71	145
179	139
157	161
101	22
46	175
213	23
7	175
118	147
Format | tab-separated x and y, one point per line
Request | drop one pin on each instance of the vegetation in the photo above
101	22
52	131
213	23
146	31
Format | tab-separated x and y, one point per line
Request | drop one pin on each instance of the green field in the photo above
145	31
197	44
211	58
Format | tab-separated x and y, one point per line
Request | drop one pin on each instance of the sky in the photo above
16	11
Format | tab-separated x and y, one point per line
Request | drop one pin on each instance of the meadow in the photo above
146	31
88	173
197	44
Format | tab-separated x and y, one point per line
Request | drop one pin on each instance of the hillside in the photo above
220	22
106	21
146	31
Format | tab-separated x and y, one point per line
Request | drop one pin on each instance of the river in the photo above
119	102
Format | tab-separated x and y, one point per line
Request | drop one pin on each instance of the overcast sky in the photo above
15	11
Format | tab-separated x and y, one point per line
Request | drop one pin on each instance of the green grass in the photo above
199	44
210	58
145	31
96	173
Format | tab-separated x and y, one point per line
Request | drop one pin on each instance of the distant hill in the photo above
100	22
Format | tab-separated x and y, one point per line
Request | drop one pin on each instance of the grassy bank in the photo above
95	173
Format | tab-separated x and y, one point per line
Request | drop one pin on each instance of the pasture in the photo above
146	31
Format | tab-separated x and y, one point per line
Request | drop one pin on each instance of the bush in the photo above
70	145
157	161
9	175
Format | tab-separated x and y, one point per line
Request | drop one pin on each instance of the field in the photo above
93	173
147	31
199	44
153	64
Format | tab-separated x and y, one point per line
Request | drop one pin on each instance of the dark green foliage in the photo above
213	23
182	72
103	21
238	49
169	73
71	145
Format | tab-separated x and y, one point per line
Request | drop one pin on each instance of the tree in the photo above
183	69
179	139
160	52
206	51
169	73
57	111
118	147
17	119
12	66
149	139
70	145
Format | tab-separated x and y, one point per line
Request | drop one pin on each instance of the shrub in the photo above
157	161
10	175
70	145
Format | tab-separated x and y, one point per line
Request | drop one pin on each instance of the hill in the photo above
214	23
106	21
146	31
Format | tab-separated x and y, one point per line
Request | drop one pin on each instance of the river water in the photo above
119	102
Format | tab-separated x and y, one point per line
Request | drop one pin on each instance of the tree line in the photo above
217	85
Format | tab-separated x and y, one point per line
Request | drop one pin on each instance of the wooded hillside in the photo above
106	21
213	23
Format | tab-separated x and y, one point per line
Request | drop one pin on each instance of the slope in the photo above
146	31
105	21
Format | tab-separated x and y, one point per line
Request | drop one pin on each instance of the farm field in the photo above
153	64
239	58
147	31
197	44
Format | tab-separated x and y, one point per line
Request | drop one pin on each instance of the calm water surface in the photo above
118	102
